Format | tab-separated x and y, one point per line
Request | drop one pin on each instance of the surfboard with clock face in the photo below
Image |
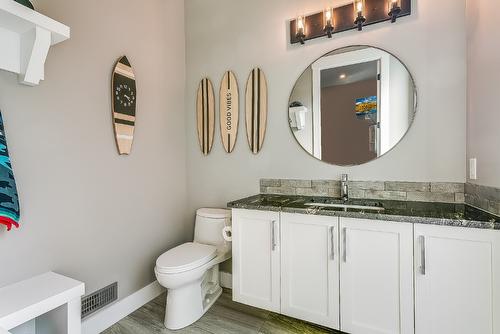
124	96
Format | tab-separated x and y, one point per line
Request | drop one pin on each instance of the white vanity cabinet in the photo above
376	277
310	268
256	258
368	276
457	278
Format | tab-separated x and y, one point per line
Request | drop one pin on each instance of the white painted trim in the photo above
27	36
104	319
4	331
346	59
226	280
25	300
21	17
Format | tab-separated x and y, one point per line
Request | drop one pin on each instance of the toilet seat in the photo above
185	257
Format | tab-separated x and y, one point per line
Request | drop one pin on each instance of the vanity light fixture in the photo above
328	21
360	19
301	28
394	9
335	20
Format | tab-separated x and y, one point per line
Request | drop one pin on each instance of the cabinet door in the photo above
256	258
310	272
457	273
376	277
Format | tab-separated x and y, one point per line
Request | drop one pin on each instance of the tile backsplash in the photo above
483	197
448	192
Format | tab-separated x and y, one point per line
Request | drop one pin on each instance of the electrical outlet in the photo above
473	169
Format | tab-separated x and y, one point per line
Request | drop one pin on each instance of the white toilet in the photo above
190	272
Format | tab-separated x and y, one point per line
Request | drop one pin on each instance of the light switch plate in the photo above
473	169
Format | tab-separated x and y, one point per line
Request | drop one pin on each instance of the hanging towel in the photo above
9	202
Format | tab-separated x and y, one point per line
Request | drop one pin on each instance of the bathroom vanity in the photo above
368	266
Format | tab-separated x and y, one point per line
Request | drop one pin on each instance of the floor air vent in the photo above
97	300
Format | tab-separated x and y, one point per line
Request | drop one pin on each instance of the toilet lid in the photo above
185	257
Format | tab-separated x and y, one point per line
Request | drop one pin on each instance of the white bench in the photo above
53	300
4	331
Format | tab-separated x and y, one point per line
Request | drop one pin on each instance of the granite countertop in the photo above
460	215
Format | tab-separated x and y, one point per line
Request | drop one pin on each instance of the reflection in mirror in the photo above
352	105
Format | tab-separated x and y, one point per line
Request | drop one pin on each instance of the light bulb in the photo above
301	30
300	24
328	21
328	15
359	7
359	18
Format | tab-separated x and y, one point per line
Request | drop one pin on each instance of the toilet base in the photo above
189	303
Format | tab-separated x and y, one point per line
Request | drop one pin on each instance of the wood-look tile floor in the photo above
224	317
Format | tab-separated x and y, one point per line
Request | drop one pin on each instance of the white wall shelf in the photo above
4	331
41	298
25	39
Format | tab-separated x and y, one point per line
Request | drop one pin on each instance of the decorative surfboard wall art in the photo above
205	115
229	109
124	100
9	201
256	109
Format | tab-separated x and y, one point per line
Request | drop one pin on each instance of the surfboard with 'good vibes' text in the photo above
229	110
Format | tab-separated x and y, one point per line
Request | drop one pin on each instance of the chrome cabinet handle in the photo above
273	235
332	245
344	238
422	254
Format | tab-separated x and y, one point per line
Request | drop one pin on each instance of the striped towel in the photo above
9	202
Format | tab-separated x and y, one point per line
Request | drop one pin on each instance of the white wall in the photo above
483	136
87	212
238	35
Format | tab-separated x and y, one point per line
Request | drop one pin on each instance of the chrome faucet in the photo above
344	187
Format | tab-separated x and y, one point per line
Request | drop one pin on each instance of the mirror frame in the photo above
415	103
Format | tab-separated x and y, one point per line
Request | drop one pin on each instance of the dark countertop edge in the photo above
367	215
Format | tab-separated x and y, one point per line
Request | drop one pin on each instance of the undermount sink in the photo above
345	206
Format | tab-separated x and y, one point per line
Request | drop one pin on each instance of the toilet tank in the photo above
209	225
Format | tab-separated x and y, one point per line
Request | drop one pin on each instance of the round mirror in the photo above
352	105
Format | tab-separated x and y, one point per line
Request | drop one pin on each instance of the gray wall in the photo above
87	212
345	137
238	35
483	136
98	217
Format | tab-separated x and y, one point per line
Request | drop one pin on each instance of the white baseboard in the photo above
226	280
98	322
